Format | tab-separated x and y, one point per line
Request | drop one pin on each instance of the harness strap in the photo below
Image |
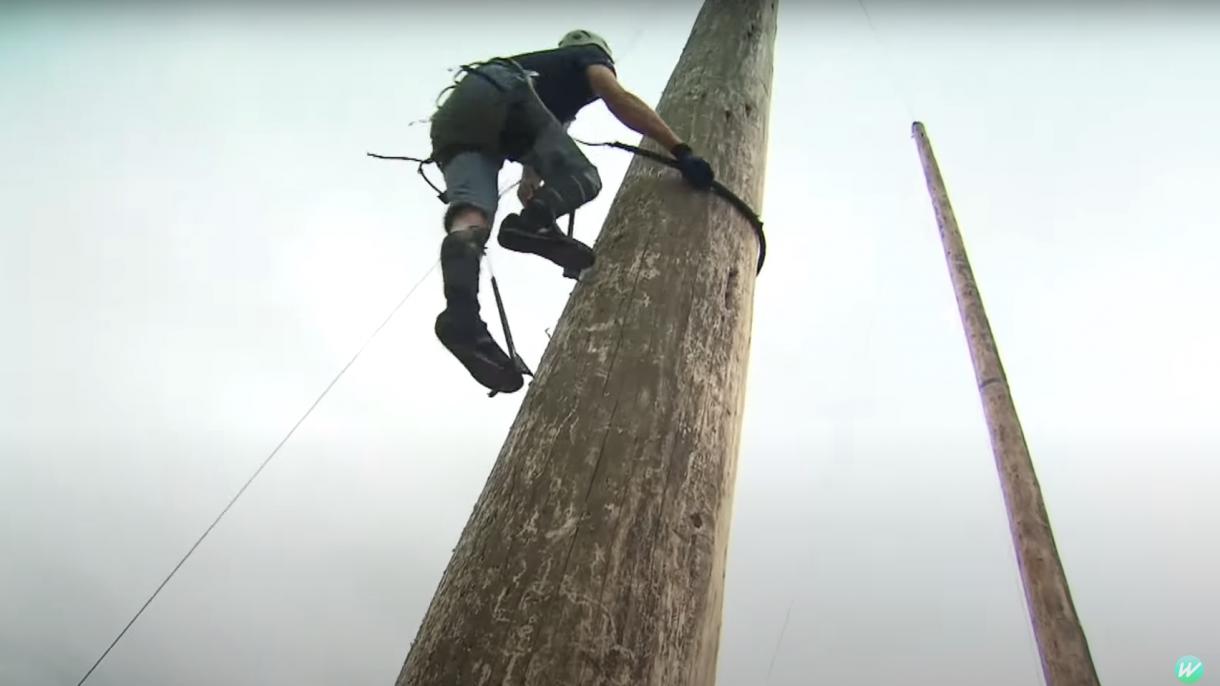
441	195
473	68
571	273
519	363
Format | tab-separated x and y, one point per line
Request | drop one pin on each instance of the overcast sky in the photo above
192	243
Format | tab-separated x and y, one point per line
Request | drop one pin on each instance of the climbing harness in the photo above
471	68
717	187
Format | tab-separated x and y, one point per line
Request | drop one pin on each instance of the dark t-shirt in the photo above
562	83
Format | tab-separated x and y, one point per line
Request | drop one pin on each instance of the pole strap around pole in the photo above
718	188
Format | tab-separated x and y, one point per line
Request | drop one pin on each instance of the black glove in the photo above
695	169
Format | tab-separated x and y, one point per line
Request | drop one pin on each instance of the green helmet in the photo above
582	37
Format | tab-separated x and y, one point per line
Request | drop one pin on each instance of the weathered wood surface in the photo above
596	552
1066	660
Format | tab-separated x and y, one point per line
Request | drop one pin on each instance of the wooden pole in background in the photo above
1066	660
596	552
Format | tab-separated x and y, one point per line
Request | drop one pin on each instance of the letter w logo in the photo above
1188	670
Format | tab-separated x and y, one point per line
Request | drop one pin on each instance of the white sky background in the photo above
192	243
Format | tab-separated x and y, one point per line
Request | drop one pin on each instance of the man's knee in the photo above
470	187
570	191
464	215
464	242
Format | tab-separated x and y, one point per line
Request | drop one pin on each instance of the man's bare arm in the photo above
633	112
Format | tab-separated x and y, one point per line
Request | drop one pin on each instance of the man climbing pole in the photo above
518	109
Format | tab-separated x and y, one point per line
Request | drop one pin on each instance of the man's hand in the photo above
530	182
694	169
526	190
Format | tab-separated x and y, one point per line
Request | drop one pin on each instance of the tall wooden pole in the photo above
1066	660
596	552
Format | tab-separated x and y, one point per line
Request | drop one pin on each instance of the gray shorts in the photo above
472	179
486	121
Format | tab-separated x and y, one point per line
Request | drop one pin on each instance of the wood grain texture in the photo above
596	552
1064	651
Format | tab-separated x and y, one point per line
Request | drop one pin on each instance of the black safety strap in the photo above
473	68
519	363
717	187
441	195
568	272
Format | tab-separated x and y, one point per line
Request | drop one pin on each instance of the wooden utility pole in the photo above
1066	660
596	552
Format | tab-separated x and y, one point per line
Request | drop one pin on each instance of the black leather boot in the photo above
533	231
460	328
